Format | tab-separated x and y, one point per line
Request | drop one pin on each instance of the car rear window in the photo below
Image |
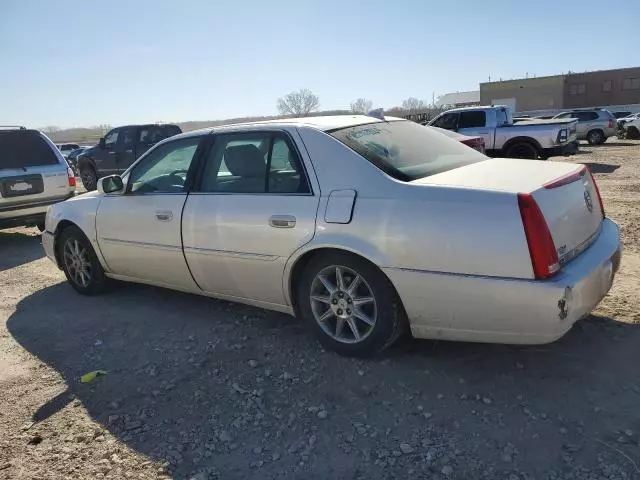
406	150
21	149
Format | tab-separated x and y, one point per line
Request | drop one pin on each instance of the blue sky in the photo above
83	63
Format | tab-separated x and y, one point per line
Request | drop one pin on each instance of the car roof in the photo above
322	123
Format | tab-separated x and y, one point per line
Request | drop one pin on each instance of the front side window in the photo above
448	121
254	163
127	135
164	170
111	139
405	150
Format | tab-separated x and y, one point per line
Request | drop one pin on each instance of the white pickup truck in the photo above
533	139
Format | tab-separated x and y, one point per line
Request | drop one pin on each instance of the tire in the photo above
632	133
80	263
524	150
89	178
595	137
330	315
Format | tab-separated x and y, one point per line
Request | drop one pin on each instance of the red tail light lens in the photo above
544	257
595	185
610	123
475	143
72	177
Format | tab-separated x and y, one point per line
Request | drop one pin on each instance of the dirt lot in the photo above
203	389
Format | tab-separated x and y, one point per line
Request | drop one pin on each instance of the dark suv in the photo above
118	149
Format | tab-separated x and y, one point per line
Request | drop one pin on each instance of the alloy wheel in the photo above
77	262
343	304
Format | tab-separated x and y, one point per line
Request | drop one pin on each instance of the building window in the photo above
631	84
607	85
577	88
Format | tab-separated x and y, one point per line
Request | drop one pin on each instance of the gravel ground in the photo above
202	389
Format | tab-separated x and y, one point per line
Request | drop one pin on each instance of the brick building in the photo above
573	90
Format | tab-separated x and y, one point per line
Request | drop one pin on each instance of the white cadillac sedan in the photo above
359	226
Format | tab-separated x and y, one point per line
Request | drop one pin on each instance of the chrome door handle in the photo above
112	153
164	216
282	221
129	151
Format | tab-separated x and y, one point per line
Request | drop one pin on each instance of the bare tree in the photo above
298	103
361	105
413	103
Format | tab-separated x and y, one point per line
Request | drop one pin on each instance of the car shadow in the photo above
601	167
233	379
19	247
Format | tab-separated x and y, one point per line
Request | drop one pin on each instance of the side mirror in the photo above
101	143
111	184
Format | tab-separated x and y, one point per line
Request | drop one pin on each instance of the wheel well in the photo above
85	162
62	225
531	141
303	261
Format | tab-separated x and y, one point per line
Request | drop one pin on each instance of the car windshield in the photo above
406	150
21	149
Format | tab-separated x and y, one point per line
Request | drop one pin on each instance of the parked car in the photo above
359	226
594	125
73	160
118	149
477	143
628	118
631	129
67	148
531	139
33	176
622	114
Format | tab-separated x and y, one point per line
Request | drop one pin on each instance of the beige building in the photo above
574	90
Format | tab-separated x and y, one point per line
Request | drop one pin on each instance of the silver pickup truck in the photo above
534	139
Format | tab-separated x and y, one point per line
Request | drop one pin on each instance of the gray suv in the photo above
33	175
595	125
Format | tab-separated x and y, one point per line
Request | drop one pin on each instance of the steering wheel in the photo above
178	176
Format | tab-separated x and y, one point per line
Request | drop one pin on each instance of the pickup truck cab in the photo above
118	149
530	139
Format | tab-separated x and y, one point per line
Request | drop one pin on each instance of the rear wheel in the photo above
595	137
80	263
89	178
350	305
522	150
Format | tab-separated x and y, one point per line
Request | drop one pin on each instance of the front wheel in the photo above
89	178
350	305
80	263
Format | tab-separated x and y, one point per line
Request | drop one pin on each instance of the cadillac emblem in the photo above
587	201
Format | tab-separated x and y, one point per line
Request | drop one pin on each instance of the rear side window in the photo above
472	119
586	116
405	150
20	149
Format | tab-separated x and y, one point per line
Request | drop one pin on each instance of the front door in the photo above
139	231
125	148
105	156
253	207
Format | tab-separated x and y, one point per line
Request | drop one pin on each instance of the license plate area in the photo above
21	185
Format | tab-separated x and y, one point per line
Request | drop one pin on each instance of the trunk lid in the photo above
564	192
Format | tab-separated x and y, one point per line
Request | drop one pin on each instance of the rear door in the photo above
474	124
255	206
586	121
32	169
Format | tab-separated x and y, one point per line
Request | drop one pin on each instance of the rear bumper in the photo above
504	310
567	149
27	214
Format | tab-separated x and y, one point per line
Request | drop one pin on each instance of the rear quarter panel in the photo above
423	227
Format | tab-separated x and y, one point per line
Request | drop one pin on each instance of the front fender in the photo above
81	212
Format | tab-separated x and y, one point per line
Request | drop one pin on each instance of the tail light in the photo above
595	185
477	143
611	123
71	176
544	257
